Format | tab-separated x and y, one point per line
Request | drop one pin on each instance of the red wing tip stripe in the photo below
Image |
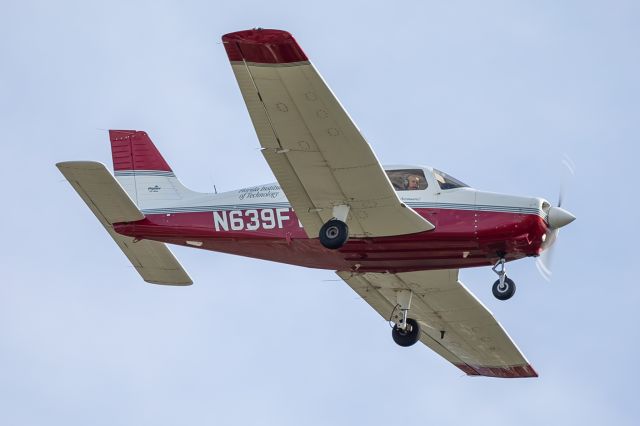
515	371
263	46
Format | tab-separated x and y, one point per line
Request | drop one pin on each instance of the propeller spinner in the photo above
557	217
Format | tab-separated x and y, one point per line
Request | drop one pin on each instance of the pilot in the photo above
413	182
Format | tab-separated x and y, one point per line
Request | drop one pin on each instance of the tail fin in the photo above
143	173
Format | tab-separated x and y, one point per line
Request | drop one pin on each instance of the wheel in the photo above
334	234
409	336
506	291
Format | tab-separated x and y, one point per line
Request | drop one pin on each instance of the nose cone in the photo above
559	217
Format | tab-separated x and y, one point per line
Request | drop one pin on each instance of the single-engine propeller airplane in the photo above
397	235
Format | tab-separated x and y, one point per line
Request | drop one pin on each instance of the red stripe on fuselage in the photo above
462	238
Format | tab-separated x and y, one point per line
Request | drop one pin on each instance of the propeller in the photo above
557	217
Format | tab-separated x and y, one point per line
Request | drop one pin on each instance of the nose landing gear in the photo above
504	288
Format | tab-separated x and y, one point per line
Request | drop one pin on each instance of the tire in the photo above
406	338
504	293
334	234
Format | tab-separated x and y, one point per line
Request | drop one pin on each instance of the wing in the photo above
316	152
472	340
110	204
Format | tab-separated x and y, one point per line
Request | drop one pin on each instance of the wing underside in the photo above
454	324
316	152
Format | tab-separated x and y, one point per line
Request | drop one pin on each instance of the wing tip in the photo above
267	46
71	165
509	372
178	283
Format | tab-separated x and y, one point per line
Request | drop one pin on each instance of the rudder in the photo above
134	150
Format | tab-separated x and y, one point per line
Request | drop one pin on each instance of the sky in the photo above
495	93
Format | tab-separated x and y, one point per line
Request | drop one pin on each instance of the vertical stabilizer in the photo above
143	172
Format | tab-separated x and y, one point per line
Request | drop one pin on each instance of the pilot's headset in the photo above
405	180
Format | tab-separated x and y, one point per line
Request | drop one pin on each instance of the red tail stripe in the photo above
263	46
133	150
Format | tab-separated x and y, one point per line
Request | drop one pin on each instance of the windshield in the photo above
447	181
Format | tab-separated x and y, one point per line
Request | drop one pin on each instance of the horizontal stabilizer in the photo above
110	204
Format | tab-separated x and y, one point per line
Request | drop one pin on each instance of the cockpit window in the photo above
447	181
407	179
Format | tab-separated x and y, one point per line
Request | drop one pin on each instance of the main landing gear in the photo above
335	233
406	331
504	288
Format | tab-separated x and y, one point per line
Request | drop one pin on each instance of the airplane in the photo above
397	235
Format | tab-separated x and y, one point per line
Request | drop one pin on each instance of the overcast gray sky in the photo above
493	92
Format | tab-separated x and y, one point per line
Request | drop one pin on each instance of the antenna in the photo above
215	190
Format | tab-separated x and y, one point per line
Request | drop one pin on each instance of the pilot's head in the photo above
413	182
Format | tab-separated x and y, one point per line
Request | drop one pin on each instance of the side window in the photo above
407	179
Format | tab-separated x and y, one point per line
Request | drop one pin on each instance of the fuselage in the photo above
472	228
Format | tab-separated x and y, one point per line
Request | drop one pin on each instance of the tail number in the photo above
249	220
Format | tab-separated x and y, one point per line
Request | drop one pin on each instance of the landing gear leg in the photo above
406	331
504	288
